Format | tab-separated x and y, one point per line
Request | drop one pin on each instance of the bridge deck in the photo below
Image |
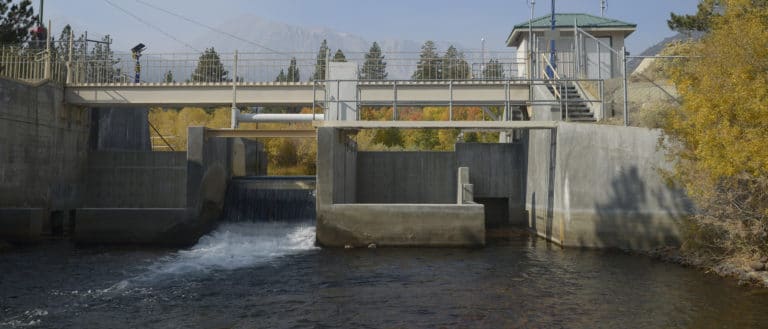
369	93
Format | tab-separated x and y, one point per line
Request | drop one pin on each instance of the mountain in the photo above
656	49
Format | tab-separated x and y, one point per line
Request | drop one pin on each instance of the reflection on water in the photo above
269	275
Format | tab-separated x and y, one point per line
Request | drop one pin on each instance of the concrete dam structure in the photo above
89	173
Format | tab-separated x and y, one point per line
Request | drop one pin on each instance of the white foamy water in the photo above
240	245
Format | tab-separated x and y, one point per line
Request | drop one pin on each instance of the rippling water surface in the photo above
270	275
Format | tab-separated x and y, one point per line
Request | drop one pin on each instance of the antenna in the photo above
603	6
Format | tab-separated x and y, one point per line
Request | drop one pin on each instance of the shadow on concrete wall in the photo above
631	220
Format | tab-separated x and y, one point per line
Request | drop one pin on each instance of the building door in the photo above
599	58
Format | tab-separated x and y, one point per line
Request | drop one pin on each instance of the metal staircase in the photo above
574	107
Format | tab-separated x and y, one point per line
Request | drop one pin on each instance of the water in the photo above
270	275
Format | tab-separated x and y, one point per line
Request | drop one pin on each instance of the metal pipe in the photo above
279	117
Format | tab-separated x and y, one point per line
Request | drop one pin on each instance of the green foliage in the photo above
429	66
339	56
101	63
209	68
493	70
707	11
169	77
374	67
293	74
15	21
321	65
454	66
389	137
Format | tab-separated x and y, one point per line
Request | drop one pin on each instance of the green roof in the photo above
567	20
585	21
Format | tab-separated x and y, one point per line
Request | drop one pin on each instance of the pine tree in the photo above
320	66
169	77
454	66
493	70
281	77
15	21
293	74
429	66
339	56
210	68
374	68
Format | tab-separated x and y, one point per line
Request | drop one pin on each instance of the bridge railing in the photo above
105	67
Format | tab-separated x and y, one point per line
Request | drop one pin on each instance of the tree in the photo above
429	64
374	67
100	66
281	77
493	70
454	66
15	21
209	68
721	130
320	65
169	77
293	74
706	12
339	56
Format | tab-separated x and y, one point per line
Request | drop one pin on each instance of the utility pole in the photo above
552	45
40	18
603	5
531	54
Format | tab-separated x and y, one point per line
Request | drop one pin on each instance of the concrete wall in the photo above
43	151
406	177
340	222
401	225
136	180
43	147
496	172
181	219
600	186
120	129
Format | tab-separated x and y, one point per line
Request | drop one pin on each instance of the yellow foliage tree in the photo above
722	129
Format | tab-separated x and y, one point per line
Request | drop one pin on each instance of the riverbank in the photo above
752	272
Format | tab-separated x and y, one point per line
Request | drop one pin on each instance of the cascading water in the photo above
264	218
240	245
260	199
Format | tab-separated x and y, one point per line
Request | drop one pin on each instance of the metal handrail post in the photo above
394	101
234	94
314	98
626	94
601	85
69	56
450	100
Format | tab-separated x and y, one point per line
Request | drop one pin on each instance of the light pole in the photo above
603	5
482	57
136	52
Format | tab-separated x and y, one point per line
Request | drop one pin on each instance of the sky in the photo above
461	21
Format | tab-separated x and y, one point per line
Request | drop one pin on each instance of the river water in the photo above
270	275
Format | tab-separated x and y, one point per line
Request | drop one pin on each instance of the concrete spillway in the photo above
259	199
